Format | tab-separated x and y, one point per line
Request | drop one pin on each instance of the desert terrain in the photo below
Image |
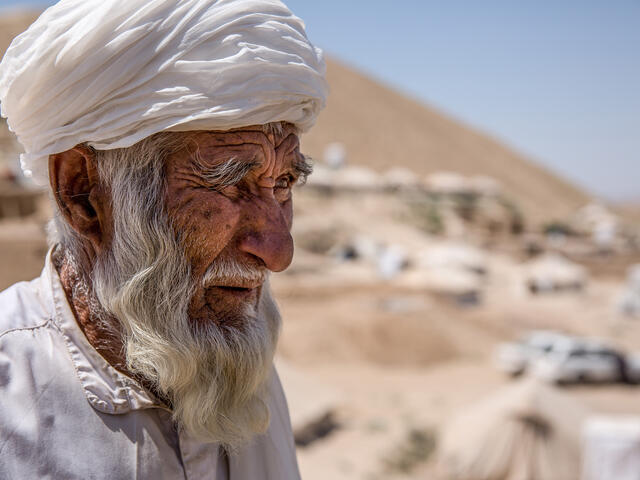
421	246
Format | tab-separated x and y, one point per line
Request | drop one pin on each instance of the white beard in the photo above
215	375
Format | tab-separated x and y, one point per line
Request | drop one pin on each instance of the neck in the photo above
101	330
102	333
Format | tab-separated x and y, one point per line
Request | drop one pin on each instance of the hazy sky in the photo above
557	80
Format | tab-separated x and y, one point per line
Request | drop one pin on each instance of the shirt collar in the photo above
106	389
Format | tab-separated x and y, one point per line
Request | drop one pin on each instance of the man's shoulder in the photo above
25	321
30	350
23	306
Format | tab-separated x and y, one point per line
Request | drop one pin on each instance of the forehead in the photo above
253	137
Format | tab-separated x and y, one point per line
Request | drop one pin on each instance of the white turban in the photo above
112	72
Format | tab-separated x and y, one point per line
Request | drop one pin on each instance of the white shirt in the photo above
65	413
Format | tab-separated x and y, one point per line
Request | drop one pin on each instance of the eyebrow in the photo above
303	167
227	173
232	171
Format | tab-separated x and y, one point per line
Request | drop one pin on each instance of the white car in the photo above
581	361
515	357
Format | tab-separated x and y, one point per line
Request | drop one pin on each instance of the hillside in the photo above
12	23
381	127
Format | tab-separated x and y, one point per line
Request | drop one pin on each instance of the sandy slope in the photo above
381	128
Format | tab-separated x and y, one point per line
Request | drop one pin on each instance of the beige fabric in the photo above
526	431
66	413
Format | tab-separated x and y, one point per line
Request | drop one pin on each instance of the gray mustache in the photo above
225	272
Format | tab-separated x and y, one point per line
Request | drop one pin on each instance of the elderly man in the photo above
168	132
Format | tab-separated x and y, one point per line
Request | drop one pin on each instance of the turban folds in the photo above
112	72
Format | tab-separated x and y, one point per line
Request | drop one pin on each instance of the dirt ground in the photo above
399	360
407	371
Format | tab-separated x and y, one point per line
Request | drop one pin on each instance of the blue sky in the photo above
557	80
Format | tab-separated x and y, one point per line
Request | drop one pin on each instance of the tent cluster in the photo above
441	203
339	176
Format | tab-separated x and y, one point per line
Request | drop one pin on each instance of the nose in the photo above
266	236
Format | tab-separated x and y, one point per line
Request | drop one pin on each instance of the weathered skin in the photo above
249	222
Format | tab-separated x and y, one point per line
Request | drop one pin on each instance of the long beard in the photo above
214	375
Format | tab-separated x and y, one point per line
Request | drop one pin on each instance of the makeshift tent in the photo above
454	255
447	183
400	178
357	178
611	448
526	431
629	301
553	272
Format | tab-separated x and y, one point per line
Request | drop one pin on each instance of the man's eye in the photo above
284	182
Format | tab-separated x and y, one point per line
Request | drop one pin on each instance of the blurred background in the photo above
464	301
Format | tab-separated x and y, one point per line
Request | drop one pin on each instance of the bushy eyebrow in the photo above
302	167
227	173
232	171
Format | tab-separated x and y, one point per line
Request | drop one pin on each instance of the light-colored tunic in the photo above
65	413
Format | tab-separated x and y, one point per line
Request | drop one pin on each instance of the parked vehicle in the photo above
514	358
562	358
582	361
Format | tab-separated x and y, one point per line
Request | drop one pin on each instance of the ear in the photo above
77	191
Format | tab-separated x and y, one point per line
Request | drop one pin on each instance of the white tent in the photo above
553	272
400	177
526	431
453	255
357	177
611	448
629	301
447	183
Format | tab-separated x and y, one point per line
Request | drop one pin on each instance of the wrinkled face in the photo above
229	200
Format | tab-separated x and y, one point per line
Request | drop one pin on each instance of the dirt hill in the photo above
381	128
12	23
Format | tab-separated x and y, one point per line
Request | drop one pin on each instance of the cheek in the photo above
287	212
205	222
